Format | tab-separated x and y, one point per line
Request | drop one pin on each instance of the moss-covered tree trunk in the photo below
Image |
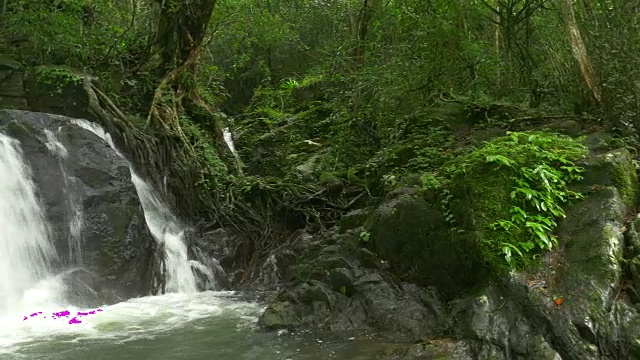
180	30
172	162
360	27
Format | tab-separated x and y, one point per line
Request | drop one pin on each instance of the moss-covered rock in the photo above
592	238
57	90
8	63
509	193
353	219
332	183
599	142
479	201
419	244
614	168
12	90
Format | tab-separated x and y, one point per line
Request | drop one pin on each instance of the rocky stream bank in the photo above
394	267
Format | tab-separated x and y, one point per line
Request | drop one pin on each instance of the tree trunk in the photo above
360	27
174	52
174	55
579	51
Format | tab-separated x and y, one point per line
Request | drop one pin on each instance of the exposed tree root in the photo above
162	155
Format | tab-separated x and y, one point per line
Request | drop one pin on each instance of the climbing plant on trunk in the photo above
179	34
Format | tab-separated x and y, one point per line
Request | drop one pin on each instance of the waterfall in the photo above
25	248
164	227
228	139
27	252
166	230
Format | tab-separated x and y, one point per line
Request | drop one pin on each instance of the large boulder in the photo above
94	213
416	239
336	288
581	303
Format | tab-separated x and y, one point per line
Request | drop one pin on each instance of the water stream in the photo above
38	323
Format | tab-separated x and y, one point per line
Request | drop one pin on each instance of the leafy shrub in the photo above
518	185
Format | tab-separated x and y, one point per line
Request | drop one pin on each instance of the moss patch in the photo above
614	168
57	79
487	199
625	179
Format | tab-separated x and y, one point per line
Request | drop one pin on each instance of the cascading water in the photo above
25	249
164	227
228	139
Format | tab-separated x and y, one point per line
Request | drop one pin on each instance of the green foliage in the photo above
215	174
57	78
77	33
364	236
210	84
289	71
519	184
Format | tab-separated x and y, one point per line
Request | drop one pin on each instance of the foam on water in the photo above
125	321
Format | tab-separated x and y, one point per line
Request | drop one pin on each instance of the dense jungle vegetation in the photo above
335	103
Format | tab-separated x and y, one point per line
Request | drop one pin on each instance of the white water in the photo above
126	321
166	231
228	138
25	249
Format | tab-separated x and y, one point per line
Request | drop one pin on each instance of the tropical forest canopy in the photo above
332	94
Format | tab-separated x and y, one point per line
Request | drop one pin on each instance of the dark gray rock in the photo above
364	301
86	181
354	219
582	303
614	168
567	127
334	288
519	319
417	241
598	142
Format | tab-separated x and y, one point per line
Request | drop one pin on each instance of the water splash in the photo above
66	314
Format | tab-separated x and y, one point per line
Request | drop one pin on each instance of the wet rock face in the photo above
94	214
583	303
338	291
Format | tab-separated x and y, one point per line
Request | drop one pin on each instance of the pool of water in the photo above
202	326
